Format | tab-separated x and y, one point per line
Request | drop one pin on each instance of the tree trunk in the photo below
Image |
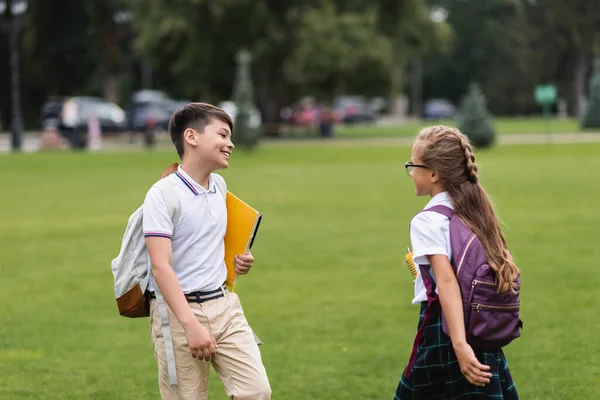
146	69
396	106
416	85
110	88
340	87
579	83
17	123
270	96
109	40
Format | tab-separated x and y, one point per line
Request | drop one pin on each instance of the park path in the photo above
503	140
31	142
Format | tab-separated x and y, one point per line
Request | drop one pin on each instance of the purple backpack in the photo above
491	318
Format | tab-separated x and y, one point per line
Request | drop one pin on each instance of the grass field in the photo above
504	126
329	293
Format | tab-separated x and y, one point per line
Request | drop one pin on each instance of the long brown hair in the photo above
448	152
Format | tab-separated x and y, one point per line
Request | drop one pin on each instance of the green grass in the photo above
329	294
504	126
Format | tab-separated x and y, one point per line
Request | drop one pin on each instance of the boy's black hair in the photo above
196	116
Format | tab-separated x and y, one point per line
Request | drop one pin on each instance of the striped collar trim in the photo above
193	185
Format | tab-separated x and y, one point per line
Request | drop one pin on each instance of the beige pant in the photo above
238	362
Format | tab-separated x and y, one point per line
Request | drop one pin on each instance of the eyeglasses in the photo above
410	166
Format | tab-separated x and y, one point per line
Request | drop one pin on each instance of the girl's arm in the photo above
451	301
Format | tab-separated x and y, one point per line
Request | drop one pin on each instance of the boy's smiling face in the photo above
213	147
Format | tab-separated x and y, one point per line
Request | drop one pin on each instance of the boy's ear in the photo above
189	137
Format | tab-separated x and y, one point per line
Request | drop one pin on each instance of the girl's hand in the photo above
471	368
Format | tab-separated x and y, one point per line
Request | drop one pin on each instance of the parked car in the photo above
438	109
142	115
152	107
51	111
71	116
75	113
354	109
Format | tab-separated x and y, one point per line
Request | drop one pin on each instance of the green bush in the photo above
474	120
592	115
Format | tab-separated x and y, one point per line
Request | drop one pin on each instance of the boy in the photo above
207	322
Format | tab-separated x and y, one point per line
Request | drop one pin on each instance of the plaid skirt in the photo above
436	373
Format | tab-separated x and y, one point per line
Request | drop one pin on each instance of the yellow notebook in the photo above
242	225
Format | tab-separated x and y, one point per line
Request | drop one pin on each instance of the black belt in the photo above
201	297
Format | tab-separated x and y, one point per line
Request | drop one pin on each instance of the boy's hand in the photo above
243	263
201	342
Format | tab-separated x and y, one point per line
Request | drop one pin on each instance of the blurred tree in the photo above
592	116
104	33
510	46
60	53
564	36
56	57
309	43
246	134
333	45
315	47
474	119
414	33
490	46
179	41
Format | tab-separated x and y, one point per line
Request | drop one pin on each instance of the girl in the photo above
441	367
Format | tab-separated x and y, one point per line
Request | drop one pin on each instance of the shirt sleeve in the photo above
428	237
156	220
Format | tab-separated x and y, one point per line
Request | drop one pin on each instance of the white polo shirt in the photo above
198	247
429	235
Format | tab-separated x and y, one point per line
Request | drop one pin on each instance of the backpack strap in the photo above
171	200
174	210
221	185
433	304
444	210
427	279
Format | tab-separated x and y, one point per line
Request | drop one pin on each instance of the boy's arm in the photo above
451	301
161	255
199	339
158	230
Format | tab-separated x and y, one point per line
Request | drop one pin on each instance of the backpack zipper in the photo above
471	294
477	281
480	306
464	254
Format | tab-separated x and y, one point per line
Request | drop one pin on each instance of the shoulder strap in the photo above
444	210
174	209
220	182
426	276
171	200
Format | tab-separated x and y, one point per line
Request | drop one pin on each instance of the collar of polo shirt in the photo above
194	186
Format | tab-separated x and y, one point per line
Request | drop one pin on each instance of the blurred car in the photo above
152	108
76	112
148	96
438	109
51	111
354	109
143	115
